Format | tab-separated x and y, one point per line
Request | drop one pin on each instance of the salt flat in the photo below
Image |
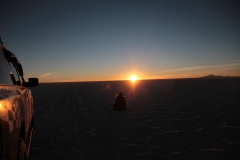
166	119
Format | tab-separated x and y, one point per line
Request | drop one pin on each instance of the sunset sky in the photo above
99	40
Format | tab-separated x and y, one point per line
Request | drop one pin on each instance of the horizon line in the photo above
200	78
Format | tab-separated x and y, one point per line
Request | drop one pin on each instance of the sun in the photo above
133	78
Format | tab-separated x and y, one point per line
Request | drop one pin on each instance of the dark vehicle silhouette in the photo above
16	107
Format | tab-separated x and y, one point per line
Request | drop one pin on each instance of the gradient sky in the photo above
66	40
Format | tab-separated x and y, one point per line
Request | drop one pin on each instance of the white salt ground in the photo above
164	120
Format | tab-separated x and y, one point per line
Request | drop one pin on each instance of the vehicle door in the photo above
24	94
9	109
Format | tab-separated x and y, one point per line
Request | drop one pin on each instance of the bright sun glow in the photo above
133	78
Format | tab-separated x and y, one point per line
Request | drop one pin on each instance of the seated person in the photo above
120	102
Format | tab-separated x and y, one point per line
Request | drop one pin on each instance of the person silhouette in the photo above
120	102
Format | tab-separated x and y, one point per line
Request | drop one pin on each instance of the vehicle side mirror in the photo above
32	82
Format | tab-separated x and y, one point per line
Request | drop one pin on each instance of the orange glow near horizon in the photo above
133	78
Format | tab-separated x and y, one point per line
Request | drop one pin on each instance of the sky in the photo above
98	40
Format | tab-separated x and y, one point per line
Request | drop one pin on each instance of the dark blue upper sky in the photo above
107	40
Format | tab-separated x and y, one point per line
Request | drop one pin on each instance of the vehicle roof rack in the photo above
4	46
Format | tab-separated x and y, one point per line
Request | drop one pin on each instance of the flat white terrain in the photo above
165	120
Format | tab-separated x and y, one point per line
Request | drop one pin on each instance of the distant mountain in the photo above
211	76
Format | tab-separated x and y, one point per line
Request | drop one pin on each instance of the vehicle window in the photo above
15	74
4	73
